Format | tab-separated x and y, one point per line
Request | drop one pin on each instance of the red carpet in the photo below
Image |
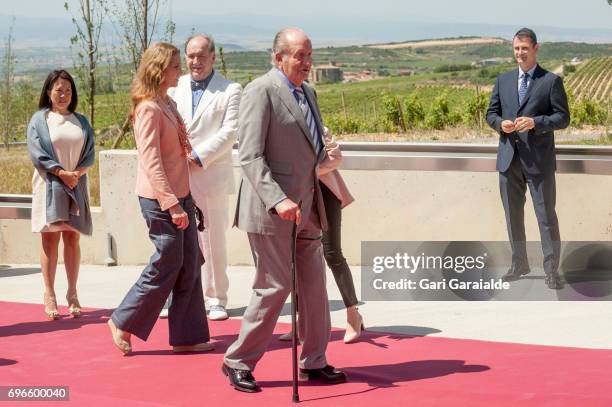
384	369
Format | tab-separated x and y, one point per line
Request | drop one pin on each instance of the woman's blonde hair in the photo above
150	74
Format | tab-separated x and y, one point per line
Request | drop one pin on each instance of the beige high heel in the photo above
354	327
124	346
74	307
50	307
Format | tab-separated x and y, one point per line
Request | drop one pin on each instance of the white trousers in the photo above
213	243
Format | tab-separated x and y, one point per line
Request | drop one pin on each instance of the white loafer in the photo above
217	313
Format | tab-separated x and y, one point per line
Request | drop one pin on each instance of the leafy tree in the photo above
137	23
223	64
25	103
88	29
8	78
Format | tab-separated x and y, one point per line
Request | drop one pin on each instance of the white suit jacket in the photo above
212	130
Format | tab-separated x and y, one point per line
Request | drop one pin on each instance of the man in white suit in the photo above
208	104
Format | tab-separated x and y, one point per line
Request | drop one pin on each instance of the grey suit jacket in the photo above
546	103
277	156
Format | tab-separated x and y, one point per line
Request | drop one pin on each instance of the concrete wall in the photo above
390	205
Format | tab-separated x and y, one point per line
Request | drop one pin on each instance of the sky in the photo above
560	13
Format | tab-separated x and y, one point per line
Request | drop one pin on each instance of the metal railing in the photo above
375	156
15	206
463	157
14	143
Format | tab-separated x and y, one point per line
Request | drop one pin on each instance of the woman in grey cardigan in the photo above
61	147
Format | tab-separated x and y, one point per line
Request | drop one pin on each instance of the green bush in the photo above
392	111
484	73
453	68
338	124
568	68
586	111
475	109
414	112
441	116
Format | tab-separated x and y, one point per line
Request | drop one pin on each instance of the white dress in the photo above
67	139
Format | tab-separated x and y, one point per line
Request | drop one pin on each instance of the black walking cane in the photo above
294	338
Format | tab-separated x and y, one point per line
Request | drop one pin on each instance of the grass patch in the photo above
16	171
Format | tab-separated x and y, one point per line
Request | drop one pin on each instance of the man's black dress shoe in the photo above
328	374
554	281
241	380
515	273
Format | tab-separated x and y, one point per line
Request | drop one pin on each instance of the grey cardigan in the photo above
63	204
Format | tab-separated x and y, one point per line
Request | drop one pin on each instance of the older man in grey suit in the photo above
280	136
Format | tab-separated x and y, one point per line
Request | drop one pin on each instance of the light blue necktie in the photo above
523	88
310	120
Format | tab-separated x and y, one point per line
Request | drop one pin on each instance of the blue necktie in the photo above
310	120
523	88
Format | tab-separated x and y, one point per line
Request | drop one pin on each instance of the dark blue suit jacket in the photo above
546	103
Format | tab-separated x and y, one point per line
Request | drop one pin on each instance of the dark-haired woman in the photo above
61	147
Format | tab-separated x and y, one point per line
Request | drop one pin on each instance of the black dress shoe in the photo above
241	380
515	273
328	374
554	281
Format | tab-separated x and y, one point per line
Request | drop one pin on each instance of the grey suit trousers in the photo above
513	185
272	256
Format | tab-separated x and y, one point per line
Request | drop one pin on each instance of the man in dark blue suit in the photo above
527	105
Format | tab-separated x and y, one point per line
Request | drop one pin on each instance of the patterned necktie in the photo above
197	90
310	120
198	85
523	88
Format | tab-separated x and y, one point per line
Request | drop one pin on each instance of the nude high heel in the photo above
123	345
354	326
74	307
50	307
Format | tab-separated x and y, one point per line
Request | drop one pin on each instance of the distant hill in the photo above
441	55
385	58
442	42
